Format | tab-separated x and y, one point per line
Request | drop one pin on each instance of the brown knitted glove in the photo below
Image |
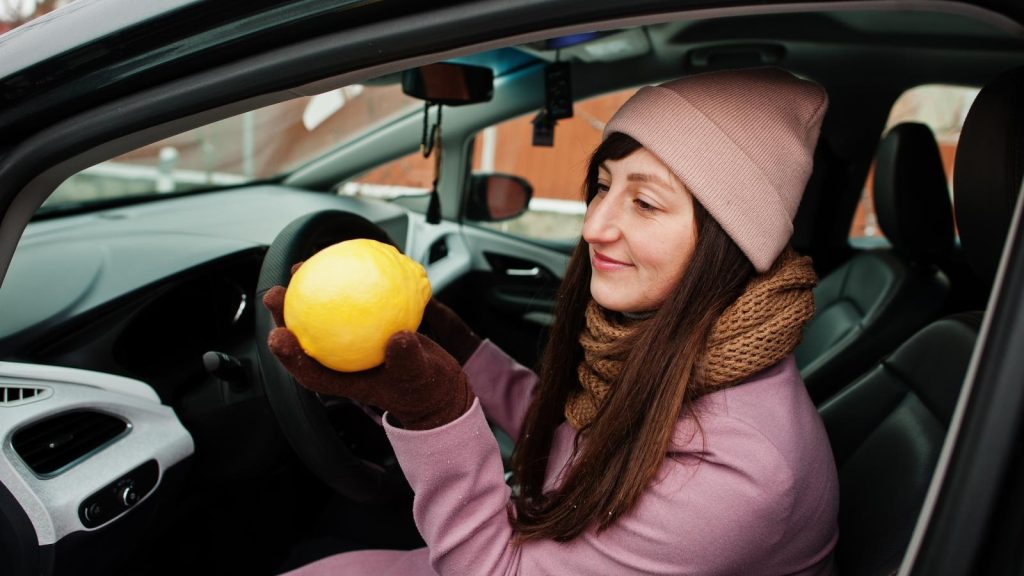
445	326
419	383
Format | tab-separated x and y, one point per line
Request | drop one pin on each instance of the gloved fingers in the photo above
274	301
448	329
431	311
307	371
404	354
412	353
360	386
436	314
425	386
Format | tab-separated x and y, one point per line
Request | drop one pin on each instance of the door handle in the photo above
523	272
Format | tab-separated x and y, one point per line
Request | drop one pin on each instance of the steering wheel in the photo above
303	415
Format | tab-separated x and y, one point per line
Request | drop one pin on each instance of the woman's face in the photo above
641	232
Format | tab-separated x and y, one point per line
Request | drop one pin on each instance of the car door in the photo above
509	296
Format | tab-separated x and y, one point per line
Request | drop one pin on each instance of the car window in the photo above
555	173
249	147
410	175
940	107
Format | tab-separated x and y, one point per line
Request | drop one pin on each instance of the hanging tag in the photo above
558	90
543	130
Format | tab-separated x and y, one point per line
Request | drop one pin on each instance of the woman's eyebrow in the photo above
648	179
642	177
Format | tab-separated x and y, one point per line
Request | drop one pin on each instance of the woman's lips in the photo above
602	262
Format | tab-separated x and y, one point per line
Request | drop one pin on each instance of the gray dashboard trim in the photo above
37	374
52	503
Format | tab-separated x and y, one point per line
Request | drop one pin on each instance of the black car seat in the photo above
888	427
870	304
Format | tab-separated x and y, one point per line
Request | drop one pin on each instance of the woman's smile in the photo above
604	263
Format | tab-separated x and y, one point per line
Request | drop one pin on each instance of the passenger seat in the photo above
867	306
887	429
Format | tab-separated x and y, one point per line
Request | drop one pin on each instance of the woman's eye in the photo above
601	187
643	206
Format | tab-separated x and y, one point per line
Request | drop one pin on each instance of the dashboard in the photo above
105	399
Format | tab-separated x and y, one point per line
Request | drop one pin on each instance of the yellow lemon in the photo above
347	300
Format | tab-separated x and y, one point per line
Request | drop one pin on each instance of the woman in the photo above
669	431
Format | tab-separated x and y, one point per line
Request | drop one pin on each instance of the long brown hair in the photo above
622	449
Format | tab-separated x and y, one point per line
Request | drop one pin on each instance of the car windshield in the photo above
253	146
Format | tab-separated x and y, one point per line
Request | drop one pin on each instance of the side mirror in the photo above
449	83
496	197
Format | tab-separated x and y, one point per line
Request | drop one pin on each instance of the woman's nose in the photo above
600	223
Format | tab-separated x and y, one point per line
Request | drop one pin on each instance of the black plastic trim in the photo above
54	444
982	458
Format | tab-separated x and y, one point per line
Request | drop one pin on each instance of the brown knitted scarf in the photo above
755	332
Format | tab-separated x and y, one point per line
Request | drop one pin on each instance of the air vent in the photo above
51	446
17	395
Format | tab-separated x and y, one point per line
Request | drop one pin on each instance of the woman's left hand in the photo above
419	383
450	331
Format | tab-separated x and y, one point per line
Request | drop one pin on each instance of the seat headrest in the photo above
987	178
911	195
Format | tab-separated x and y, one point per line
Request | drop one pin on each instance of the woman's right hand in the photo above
419	383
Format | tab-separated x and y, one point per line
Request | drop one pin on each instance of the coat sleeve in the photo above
503	386
707	517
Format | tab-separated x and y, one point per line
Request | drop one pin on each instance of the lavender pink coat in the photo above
762	500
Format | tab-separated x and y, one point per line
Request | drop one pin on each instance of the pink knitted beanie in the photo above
742	141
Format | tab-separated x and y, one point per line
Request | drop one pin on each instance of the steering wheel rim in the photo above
301	415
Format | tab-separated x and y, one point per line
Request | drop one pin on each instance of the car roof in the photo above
69	58
74	26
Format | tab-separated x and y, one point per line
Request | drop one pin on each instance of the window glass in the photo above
244	148
555	173
943	109
410	175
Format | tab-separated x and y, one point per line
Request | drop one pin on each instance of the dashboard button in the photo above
129	496
120	495
94	513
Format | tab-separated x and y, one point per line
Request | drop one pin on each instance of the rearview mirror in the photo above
449	83
496	197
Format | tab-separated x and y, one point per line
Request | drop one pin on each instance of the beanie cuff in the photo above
713	168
